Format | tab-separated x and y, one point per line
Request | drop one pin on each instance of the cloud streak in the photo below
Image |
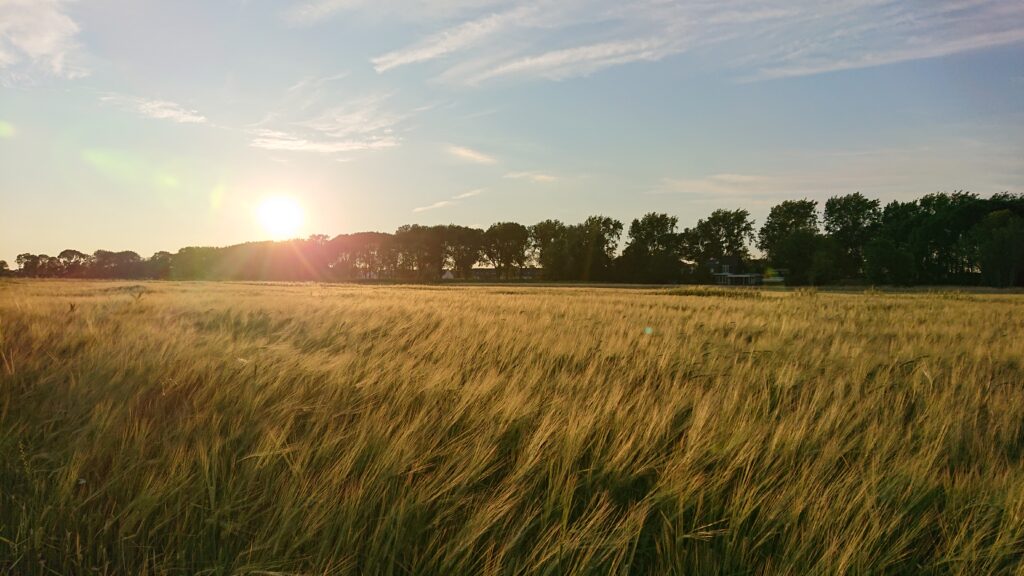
449	41
157	109
38	34
470	155
360	124
450	202
287	142
538	177
784	38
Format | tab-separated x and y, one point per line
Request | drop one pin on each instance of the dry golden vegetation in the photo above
171	428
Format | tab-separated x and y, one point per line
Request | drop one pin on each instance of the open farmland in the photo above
179	428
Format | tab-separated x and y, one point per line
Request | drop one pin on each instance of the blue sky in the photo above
152	125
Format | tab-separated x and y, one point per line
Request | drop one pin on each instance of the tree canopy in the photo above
954	238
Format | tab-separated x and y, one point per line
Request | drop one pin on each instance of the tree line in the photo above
954	238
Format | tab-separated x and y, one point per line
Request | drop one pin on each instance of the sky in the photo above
153	125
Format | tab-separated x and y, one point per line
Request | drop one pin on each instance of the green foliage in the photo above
784	219
506	246
580	252
888	263
1000	241
723	234
809	258
852	221
654	251
939	239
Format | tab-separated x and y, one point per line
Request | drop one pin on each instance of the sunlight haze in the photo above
150	125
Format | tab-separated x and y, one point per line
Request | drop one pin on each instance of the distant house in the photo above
531	273
774	277
485	274
491	274
730	272
447	275
729	279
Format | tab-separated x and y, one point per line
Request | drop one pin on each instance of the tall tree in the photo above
465	248
852	220
725	234
28	264
75	264
784	219
1000	242
422	250
592	246
653	252
549	245
506	245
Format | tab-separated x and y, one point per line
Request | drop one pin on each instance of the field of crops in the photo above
183	428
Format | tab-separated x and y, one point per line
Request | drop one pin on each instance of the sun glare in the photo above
280	216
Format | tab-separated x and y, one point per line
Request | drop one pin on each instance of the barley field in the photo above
202	428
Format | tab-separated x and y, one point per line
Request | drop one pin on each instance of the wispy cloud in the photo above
785	38
360	124
538	177
306	12
433	206
469	194
450	202
277	140
925	50
887	173
471	155
582	60
451	40
159	109
38	34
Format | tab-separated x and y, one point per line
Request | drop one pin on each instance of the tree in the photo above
422	250
28	264
1000	242
887	263
465	248
159	265
852	220
653	252
550	249
124	264
724	234
74	263
505	246
4	268
784	219
592	246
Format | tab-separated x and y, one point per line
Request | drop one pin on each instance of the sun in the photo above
280	216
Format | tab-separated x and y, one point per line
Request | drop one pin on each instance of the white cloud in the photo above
781	38
159	109
471	155
450	202
925	50
433	206
360	124
277	140
583	60
449	41
357	118
38	34
538	177
307	12
884	173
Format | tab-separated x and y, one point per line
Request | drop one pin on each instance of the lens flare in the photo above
280	216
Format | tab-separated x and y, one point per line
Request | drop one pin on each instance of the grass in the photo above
166	428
